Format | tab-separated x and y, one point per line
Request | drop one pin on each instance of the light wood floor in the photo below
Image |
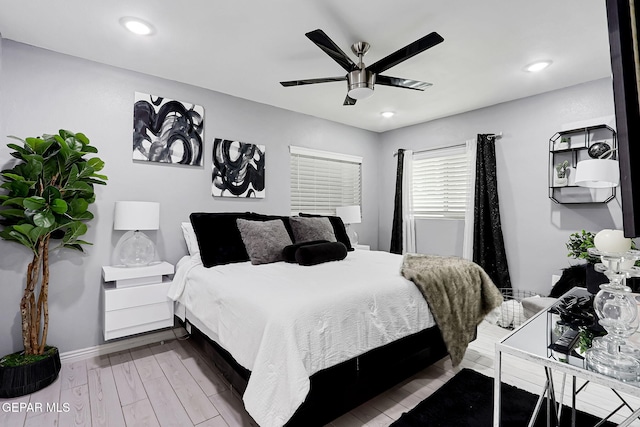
171	385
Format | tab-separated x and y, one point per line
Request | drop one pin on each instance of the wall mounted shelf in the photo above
573	146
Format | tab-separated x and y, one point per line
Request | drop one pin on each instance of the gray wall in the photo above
43	91
535	229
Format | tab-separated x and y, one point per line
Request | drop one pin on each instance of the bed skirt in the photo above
341	388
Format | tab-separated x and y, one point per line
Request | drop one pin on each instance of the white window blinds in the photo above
321	181
441	183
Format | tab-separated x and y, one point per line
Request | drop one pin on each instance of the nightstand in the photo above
135	299
362	247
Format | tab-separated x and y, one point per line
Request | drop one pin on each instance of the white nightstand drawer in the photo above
120	298
139	316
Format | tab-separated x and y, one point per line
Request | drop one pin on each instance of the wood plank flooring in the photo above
170	384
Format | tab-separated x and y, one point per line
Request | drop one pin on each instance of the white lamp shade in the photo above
136	216
598	173
349	214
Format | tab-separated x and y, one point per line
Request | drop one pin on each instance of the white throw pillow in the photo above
190	239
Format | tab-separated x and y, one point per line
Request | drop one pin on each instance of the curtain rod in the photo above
494	136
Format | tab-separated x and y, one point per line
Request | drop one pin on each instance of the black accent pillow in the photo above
218	237
338	228
289	252
321	252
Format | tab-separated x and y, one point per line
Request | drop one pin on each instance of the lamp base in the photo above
137	250
353	236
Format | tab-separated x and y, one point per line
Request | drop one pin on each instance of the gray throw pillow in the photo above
307	229
264	240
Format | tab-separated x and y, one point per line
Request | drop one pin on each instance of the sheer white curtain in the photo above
408	220
467	244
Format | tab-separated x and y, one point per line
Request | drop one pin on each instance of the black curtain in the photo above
396	228
488	243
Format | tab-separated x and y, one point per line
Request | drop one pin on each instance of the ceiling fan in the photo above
361	79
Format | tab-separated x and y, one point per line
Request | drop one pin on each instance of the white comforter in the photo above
285	322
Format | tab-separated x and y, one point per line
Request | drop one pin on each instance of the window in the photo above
441	180
321	181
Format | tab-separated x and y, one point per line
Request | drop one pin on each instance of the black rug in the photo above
467	401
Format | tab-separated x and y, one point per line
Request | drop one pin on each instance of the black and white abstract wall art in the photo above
167	131
238	169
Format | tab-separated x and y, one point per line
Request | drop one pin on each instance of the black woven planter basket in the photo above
21	380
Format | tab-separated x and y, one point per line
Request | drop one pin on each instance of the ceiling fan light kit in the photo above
361	80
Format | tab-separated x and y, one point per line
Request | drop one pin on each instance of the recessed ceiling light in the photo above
538	66
387	114
137	26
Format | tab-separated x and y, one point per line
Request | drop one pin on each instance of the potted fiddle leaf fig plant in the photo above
46	201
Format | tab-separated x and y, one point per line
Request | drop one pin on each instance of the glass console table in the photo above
530	342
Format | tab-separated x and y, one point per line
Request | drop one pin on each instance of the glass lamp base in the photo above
622	365
353	236
137	251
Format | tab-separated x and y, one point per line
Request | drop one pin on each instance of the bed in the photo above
304	344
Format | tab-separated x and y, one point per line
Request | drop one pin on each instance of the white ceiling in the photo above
246	47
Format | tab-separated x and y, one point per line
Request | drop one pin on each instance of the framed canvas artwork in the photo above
167	131
238	169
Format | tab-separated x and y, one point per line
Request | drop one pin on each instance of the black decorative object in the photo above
488	243
467	401
238	169
397	229
26	379
167	131
599	149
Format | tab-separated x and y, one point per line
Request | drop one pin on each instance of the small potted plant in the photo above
47	195
562	143
560	179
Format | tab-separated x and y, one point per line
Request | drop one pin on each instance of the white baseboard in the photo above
120	345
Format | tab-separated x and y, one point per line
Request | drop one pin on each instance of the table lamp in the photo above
350	215
136	249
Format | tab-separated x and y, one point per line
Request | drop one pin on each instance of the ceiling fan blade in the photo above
312	81
349	101
330	48
406	52
404	83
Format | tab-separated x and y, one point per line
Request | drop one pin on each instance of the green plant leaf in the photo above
31	143
13	176
82	138
89	149
50	194
12	213
59	206
24	229
34	203
38	232
96	163
78	206
74	246
16	201
79	186
73	174
19	188
75	230
22	239
44	219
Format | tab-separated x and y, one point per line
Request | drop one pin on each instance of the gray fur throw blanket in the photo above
459	293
